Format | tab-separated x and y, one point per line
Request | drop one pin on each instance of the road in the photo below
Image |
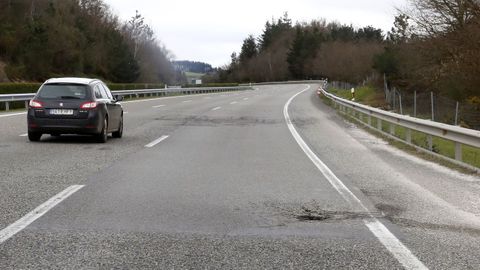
264	179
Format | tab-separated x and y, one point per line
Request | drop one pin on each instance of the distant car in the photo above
75	106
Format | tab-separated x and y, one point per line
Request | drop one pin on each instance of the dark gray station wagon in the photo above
75	106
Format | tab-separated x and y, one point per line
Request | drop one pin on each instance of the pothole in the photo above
325	215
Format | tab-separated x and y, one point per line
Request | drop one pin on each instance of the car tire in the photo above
119	132
103	136
34	136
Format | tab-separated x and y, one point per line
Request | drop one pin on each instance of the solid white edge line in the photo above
403	255
12	114
41	210
216	108
157	141
158	106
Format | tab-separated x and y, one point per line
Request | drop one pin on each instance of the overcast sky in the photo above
210	30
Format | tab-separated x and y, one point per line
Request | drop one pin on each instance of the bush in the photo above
19	88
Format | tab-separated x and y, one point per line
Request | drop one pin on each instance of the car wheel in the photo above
103	136
119	132
34	136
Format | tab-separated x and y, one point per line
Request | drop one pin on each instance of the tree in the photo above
249	49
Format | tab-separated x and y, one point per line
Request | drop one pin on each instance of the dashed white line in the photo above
159	106
157	141
186	101
216	108
388	239
12	114
23	135
245	98
233	102
41	210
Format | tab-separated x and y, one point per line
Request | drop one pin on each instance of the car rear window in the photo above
63	91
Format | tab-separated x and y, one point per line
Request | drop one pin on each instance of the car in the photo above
75	106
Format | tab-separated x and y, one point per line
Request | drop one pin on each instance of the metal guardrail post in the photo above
458	151
430	142
408	135
7	106
392	129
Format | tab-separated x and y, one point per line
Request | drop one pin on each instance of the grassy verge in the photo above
367	95
470	155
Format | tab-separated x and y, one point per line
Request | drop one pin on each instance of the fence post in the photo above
394	99
415	103
456	115
7	106
379	124
400	101
408	135
431	102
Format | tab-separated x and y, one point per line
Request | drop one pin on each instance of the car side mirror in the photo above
118	98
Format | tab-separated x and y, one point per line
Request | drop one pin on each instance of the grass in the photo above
366	95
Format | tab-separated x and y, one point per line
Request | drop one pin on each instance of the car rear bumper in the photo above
90	125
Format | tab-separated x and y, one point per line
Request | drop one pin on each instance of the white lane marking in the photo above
23	135
186	101
12	114
158	106
216	108
388	239
163	98
125	112
245	98
41	210
157	141
233	102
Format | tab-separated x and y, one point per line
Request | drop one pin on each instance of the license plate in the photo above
61	112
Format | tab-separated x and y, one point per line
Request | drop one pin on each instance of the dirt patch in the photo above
220	121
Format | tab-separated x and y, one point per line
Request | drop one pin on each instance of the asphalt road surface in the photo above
264	179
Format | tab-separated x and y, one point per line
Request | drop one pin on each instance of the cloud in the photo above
211	30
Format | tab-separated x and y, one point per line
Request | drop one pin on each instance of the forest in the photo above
433	46
40	39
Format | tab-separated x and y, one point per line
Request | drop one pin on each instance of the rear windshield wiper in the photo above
69	97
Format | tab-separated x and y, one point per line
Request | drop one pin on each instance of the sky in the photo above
210	30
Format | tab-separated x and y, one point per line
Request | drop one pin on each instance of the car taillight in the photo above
35	104
88	105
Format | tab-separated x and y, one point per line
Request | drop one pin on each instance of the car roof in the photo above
85	81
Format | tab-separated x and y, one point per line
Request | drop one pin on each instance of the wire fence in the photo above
426	105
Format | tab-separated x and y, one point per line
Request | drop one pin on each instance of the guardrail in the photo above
285	82
8	98
458	135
